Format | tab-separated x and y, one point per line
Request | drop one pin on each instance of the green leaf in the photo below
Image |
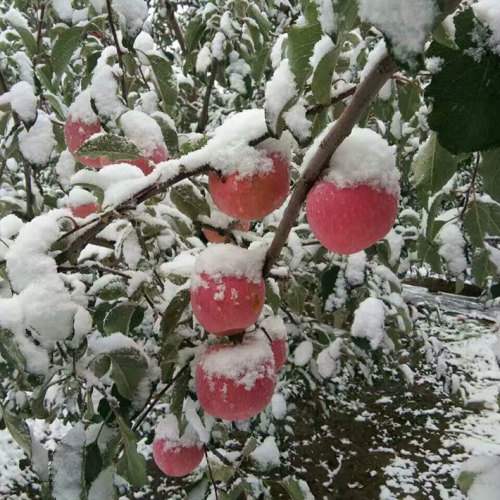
442	35
128	368
28	40
169	135
465	95
322	77
114	147
465	480
408	100
482	267
64	47
194	31
167	84
122	318
272	298
292	488
295	298
480	219
189	202
92	463
490	172
132	465
179	391
432	167
258	63
222	473
249	447
18	429
328	281
9	350
301	42
37	399
428	253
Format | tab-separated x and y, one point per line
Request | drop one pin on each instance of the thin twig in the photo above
334	100
202	123
172	21
211	475
118	49
39	29
29	191
471	187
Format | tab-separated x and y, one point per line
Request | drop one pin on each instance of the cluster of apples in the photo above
82	123
235	381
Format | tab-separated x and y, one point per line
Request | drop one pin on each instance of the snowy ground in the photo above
388	441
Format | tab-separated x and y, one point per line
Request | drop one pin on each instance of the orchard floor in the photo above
348	440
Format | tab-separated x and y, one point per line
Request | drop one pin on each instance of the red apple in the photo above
255	196
76	132
280	351
273	331
176	456
215	237
83	211
225	305
348	220
235	381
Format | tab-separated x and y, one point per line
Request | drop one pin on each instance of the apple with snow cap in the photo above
176	455
81	124
258	185
227	289
83	211
236	381
273	331
355	203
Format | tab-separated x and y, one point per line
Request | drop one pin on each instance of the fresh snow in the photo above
364	158
203	60
369	321
63	9
22	100
142	130
168	429
488	12
267	454
278	406
134	13
303	353
81	109
452	248
326	16
406	23
321	48
37	143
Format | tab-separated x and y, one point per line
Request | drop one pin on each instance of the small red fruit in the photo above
349	220
83	211
76	132
176	456
273	331
227	290
236	381
253	196
215	237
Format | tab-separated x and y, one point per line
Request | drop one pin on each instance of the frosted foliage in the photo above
278	406
280	89
168	429
103	486
355	270
405	22
195	430
63	9
229	260
36	145
303	353
369	321
267	454
134	12
365	158
67	465
452	248
15	18
25	67
243	363
203	60
296	120
321	48
22	101
81	110
327	16
142	130
104	91
10	225
488	12
274	327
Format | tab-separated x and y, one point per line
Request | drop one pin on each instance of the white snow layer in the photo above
321	48
452	248
267	454
168	429
326	16
134	13
142	130
37	143
364	158
405	22
303	353
22	100
369	321
488	12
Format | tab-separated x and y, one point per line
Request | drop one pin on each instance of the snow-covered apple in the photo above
176	455
227	289
355	203
81	124
83	211
273	331
255	194
236	381
215	237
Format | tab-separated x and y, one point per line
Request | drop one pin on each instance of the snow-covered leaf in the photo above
167	86
189	202
9	350
18	429
114	147
122	318
480	219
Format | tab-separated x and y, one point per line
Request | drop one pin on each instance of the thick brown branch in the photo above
172	21
202	123
118	49
364	95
